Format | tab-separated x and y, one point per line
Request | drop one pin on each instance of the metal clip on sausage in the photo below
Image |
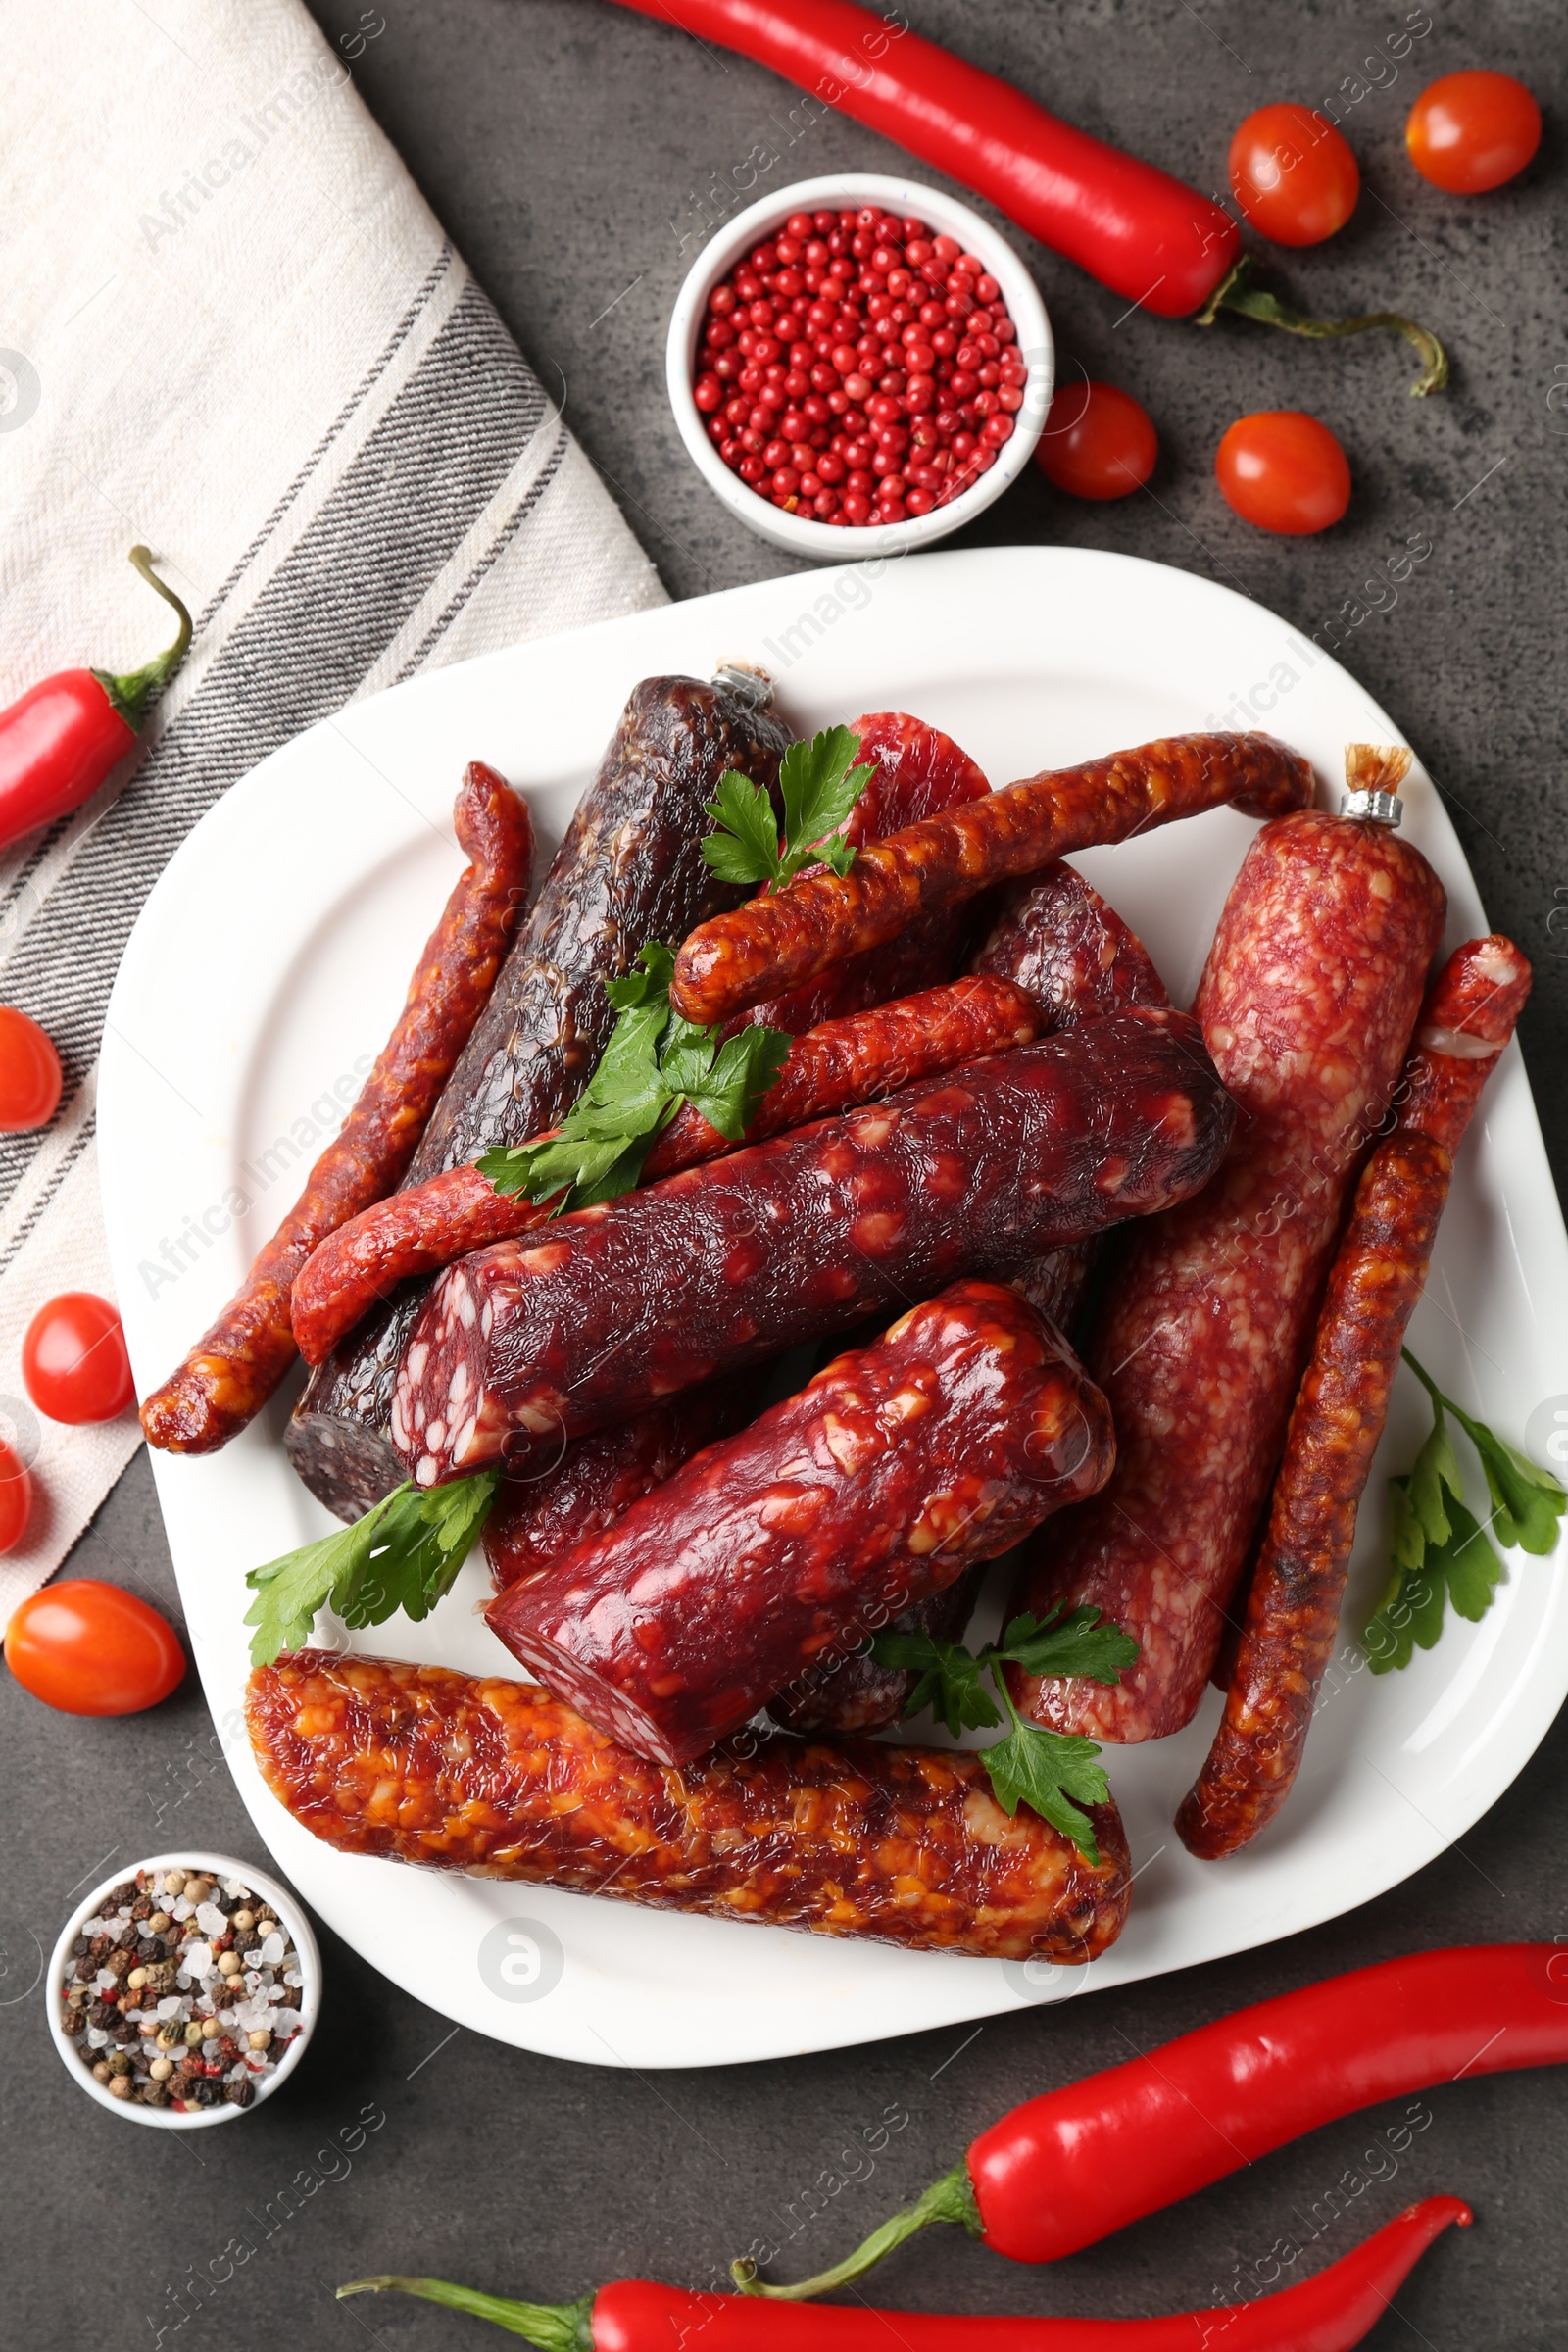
750	686
1373	774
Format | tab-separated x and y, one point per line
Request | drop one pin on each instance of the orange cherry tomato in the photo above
73	1361
30	1073
1098	442
1472	132
1292	174
90	1648
1284	471
16	1499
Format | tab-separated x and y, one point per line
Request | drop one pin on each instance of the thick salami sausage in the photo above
831	1068
599	1477
238	1363
918	772
904	1845
1308	1001
619	1304
778	941
628	871
1292	1610
895	1469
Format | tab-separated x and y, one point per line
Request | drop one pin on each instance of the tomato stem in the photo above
134	692
1236	292
950	2199
550	2326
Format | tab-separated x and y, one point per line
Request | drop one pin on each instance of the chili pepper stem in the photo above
1236	293
550	2326
134	692
950	2199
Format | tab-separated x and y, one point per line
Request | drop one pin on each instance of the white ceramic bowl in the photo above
220	1866
824	541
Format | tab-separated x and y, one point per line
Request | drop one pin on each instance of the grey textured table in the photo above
561	143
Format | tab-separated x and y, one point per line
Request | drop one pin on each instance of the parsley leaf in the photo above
402	1554
819	784
654	1063
1030	1765
1439	1555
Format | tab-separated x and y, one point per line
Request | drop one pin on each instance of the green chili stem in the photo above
134	692
550	2326
950	2199
1237	293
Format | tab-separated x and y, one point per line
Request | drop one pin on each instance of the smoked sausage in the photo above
787	937
616	1305
239	1362
893	1470
1380	1270
1308	1001
831	1068
628	871
904	1845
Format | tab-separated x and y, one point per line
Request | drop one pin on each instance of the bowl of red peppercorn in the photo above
184	1991
858	366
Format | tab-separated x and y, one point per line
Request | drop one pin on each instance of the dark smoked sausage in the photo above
904	1845
1308	1001
238	1363
893	1470
628	871
1379	1272
831	1068
778	941
728	1264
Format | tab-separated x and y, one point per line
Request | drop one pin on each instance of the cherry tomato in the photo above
1471	131
1098	442
16	1499
73	1361
90	1648
1284	471
1292	174
30	1073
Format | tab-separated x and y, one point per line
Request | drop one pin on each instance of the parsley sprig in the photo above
819	783
1031	1766
402	1554
654	1063
1438	1551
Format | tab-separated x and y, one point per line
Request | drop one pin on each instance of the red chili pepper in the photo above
1147	237
60	741
1330	2313
1066	2169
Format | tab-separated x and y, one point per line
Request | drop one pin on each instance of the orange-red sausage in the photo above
238	1363
777	941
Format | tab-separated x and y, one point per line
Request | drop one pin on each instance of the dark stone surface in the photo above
558	140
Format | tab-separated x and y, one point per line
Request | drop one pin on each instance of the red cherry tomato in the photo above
1471	131
16	1499
1098	442
73	1361
1284	471
1292	174
30	1073
90	1648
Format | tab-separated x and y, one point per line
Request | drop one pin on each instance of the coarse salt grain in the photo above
272	1950
292	1975
184	1908
170	2006
198	1958
235	1889
210	1919
97	2036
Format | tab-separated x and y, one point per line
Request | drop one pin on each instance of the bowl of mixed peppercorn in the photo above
184	1992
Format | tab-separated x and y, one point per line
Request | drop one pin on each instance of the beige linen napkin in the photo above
231	328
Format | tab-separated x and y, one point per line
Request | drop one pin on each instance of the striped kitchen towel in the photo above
230	327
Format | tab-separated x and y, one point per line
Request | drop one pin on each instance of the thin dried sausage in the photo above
904	1845
831	1068
728	1264
897	1468
778	941
239	1362
1293	1608
1308	1001
628	871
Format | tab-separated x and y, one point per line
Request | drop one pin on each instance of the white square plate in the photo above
268	967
